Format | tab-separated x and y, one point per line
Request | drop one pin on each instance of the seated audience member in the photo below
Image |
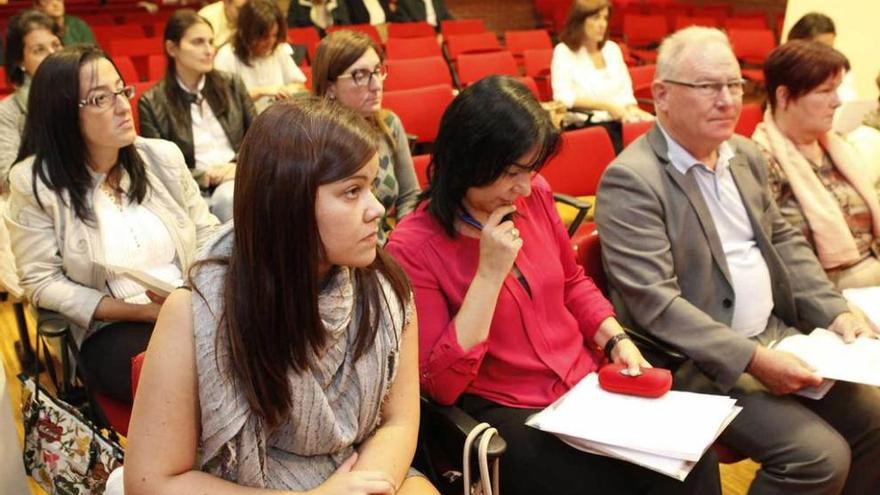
205	112
698	256
223	17
321	14
349	69
260	55
815	26
820	183
293	363
73	30
30	37
588	72
508	321
91	194
430	11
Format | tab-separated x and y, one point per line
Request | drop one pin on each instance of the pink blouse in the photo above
539	346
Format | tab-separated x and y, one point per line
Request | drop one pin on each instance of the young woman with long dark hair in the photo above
291	367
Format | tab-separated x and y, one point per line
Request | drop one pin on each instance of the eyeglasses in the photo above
106	99
713	89
364	77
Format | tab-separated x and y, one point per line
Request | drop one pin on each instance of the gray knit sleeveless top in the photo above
335	405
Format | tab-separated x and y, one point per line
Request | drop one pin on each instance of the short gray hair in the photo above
676	44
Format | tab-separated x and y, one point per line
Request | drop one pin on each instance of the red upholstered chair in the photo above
537	66
367	29
474	66
643	33
531	84
5	87
457	44
683	21
751	47
416	73
138	49
632	131
156	67
577	168
105	34
420	109
519	41
307	36
642	76
420	163
746	22
462	26
410	30
751	116
126	69
398	48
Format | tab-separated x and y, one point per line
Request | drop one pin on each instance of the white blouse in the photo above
210	143
275	69
574	76
134	237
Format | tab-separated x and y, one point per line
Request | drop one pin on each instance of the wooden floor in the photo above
735	477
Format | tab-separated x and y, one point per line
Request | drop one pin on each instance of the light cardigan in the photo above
574	76
539	346
835	245
60	257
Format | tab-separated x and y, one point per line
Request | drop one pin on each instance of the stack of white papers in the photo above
867	299
667	435
826	351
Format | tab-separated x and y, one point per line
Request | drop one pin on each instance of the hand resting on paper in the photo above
782	372
852	325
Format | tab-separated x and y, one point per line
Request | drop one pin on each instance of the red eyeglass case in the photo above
652	383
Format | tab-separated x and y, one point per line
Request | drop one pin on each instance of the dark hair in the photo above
52	133
20	26
272	323
573	30
255	19
811	25
487	127
801	66
215	85
336	53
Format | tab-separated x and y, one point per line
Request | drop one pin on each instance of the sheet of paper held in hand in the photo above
150	282
867	299
857	362
666	435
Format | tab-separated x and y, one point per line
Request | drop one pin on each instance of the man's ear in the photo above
660	92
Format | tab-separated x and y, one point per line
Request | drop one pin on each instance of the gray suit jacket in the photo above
666	266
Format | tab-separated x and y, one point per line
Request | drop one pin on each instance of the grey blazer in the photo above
666	266
60	257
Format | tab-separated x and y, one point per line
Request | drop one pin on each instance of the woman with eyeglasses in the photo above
820	182
588	73
349	69
204	111
89	198
260	55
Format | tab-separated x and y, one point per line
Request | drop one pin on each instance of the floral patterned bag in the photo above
63	452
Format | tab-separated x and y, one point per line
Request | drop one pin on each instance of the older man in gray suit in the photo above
699	257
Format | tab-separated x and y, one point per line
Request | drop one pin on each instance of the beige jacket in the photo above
60	258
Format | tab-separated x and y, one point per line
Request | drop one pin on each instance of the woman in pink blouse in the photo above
508	320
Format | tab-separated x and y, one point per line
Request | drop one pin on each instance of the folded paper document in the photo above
150	282
667	435
826	351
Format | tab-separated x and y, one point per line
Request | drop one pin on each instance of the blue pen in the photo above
473	222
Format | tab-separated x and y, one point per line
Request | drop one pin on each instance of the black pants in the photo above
106	357
539	463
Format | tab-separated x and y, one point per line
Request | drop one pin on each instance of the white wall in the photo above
858	35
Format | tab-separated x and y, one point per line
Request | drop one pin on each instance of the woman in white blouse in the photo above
92	196
260	55
588	72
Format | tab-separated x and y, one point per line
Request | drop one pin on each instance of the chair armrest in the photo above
654	347
51	323
452	422
582	206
